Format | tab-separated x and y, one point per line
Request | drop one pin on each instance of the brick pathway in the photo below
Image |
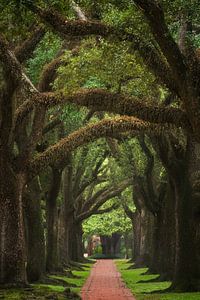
105	283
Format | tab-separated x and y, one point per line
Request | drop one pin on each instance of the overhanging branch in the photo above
25	51
57	153
102	100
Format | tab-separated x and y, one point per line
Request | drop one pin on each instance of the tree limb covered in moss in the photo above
25	50
49	74
154	61
102	100
58	152
82	27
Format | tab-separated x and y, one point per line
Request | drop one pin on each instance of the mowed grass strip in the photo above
140	290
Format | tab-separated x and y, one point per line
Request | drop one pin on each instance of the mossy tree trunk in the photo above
35	233
177	161
143	227
66	216
12	239
79	242
163	251
186	267
52	263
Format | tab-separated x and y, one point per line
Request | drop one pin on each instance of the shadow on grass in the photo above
150	287
54	287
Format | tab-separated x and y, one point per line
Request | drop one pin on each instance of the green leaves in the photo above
106	224
44	53
105	65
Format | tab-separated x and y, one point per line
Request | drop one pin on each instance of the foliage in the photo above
106	224
44	53
95	65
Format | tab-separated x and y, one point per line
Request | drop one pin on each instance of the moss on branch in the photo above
24	51
102	100
56	154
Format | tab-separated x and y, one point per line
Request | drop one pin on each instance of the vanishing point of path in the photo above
105	283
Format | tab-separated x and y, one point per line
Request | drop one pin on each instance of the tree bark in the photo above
66	216
52	263
12	241
143	224
163	250
35	233
186	267
79	242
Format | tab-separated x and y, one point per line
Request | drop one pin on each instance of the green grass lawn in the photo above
49	291
80	280
131	278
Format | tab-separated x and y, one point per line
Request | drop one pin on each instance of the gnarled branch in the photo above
102	100
25	50
57	153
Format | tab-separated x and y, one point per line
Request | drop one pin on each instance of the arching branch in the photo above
49	74
102	100
57	153
106	210
25	50
68	28
88	182
155	62
155	16
103	196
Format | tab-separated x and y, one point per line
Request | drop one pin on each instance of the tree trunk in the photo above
78	246
126	245
12	240
35	233
106	245
163	251
143	227
52	263
116	241
186	267
137	234
72	240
